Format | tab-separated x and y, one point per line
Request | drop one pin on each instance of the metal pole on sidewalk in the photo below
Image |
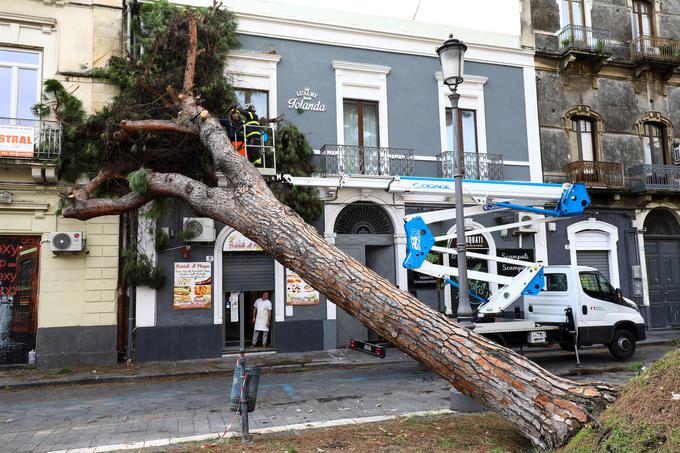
245	435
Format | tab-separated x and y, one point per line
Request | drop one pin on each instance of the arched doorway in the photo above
364	231
662	255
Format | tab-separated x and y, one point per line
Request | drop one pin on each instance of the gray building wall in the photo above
413	114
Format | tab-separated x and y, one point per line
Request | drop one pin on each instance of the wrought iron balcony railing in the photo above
30	139
483	166
655	48
590	39
366	160
601	175
654	178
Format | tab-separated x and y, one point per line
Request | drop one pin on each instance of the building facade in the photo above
609	106
368	93
62	306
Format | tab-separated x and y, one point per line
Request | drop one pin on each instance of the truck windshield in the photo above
596	285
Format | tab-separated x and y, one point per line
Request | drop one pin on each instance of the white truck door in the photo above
549	305
595	302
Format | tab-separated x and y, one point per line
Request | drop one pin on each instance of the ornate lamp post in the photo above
452	56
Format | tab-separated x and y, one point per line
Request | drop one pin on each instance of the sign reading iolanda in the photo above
304	100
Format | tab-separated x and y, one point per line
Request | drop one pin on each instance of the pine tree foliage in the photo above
294	157
158	60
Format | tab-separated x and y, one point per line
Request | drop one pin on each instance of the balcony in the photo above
596	175
339	160
588	45
482	166
656	54
654	178
30	139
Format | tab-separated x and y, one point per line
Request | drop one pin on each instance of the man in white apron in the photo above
262	314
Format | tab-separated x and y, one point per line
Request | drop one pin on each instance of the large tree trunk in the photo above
546	408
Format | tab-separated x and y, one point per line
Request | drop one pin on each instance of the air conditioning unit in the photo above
203	227
62	242
524	217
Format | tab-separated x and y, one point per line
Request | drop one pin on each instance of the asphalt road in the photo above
63	417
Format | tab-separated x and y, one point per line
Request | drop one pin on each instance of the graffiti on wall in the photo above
19	256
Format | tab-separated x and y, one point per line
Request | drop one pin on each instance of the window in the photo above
467	130
573	12
360	119
581	139
259	98
642	19
19	83
555	282
654	144
596	286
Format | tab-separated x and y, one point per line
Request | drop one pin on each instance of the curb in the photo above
272	369
288	368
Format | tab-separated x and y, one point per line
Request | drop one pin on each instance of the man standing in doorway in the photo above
262	314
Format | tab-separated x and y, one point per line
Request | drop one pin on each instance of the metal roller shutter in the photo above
599	259
248	272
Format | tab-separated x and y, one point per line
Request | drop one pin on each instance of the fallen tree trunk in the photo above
545	408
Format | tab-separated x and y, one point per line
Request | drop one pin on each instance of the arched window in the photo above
585	128
582	138
654	144
363	218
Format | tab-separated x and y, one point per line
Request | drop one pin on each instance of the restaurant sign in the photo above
306	99
16	141
236	242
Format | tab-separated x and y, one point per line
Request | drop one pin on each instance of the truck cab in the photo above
601	315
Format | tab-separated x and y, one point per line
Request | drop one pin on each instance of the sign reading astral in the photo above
306	99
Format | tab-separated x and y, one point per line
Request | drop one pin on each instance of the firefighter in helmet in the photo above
253	134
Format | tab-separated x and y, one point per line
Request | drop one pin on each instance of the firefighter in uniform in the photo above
253	135
233	125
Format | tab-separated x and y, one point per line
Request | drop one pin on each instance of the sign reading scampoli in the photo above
510	270
305	100
16	141
298	292
193	286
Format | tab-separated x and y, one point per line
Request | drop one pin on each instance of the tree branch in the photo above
156	126
83	208
190	69
102	177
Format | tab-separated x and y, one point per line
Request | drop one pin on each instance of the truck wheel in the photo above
622	346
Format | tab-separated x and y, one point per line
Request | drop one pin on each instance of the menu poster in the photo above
298	292
193	286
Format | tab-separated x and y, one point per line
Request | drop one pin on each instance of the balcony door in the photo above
654	144
573	13
360	119
581	139
642	19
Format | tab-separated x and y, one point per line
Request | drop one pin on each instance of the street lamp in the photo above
452	56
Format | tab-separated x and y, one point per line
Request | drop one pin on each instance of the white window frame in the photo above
254	71
365	82
610	245
588	5
14	82
471	98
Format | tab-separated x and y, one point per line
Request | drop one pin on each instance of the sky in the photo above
501	16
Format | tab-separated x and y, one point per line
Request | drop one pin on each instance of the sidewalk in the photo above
269	361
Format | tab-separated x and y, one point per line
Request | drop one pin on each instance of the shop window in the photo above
259	98
360	119
467	130
642	19
654	144
19	82
582	139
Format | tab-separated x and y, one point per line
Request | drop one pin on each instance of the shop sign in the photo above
473	242
299	292
193	286
510	270
306	99
236	242
16	141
